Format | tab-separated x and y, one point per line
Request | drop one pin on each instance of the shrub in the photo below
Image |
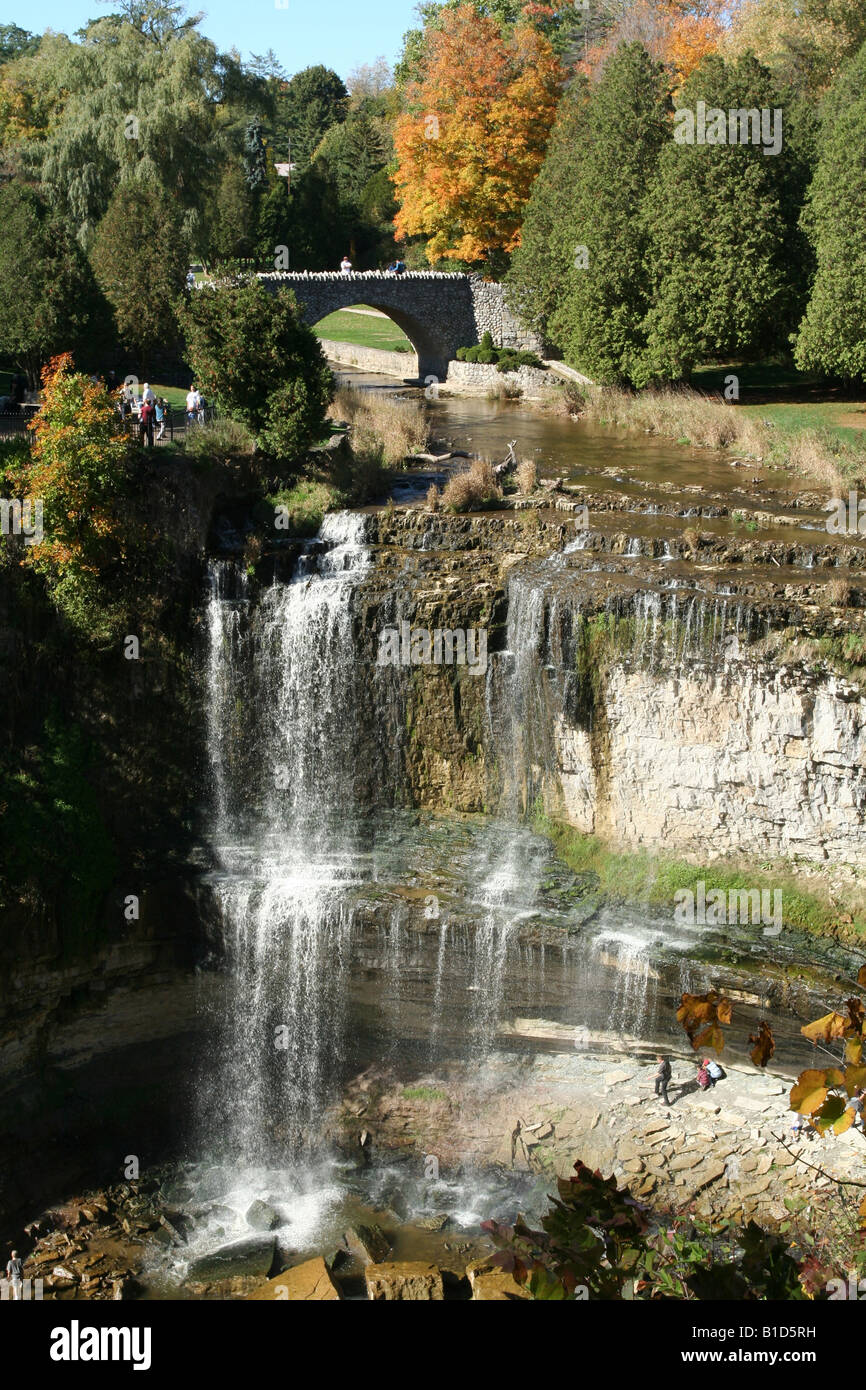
220	438
487	340
433	498
526	474
472	490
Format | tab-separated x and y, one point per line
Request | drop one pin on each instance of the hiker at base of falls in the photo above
14	1273
662	1078
856	1104
704	1080
801	1126
713	1070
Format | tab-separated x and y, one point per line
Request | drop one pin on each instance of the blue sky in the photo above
339	33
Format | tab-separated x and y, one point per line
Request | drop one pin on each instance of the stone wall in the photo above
367	359
477	378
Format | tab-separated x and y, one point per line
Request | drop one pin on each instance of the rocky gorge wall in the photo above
681	733
744	761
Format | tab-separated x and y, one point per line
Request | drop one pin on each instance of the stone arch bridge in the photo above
438	312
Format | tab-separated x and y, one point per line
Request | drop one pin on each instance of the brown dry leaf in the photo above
765	1044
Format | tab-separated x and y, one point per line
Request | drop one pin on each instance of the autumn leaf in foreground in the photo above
700	1013
809	1091
826	1029
765	1044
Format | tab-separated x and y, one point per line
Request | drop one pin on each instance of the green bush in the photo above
254	355
487	340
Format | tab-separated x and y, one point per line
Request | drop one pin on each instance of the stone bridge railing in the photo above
438	311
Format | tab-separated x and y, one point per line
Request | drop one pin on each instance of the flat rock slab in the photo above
310	1282
252	1257
404	1281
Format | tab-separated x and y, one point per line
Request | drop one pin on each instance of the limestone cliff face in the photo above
751	761
648	714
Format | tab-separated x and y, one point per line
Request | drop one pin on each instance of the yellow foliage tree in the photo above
474	135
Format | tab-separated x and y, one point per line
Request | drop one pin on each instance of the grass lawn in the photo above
363	330
175	395
794	401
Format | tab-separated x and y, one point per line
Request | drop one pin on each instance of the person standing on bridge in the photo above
345	266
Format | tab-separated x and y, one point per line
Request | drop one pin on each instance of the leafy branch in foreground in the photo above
599	1242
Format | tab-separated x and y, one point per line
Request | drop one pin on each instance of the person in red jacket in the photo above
145	423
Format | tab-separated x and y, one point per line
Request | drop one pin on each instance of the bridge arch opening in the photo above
372	337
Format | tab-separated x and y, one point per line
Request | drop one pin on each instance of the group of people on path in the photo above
153	413
709	1072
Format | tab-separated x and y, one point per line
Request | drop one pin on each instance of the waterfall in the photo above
282	694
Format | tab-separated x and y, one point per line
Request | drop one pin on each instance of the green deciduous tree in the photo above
16	42
308	105
725	248
832	336
254	355
147	99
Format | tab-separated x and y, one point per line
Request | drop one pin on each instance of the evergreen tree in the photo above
308	219
598	322
832	335
255	160
313	101
140	258
724	240
351	153
541	264
49	300
260	362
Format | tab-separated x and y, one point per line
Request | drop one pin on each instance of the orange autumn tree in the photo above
75	479
678	33
474	135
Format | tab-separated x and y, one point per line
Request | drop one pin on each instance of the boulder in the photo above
252	1256
432	1223
490	1284
404	1281
261	1216
369	1243
309	1282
